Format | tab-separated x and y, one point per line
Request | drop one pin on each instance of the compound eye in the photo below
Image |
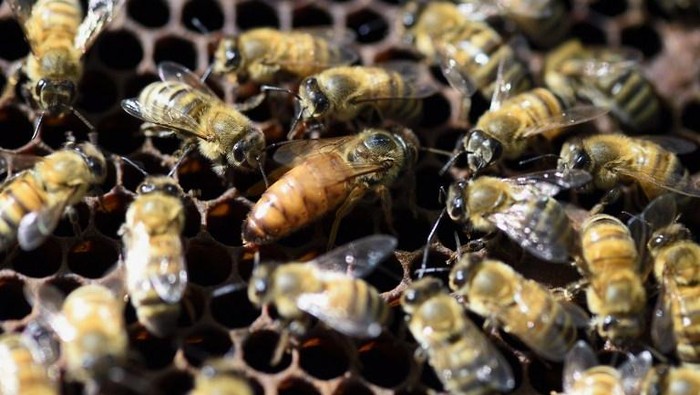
41	85
239	152
459	278
261	287
412	296
581	160
146	188
95	166
456	207
657	241
609	323
377	140
171	190
233	58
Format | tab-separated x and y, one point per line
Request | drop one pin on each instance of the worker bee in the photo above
509	127
263	55
671	380
469	51
463	358
34	200
522	207
328	288
614	159
615	272
217	377
58	37
90	324
329	174
392	90
154	260
24	365
608	78
583	374
522	307
182	103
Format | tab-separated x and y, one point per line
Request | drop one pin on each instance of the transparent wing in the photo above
455	74
175	118
527	8
171	71
296	150
359	257
170	280
634	370
660	212
569	117
675	183
12	162
36	226
578	316
49	301
550	182
341	36
524	226
662	333
676	145
414	75
22	10
359	325
40	341
503	87
579	359
640	232
601	62
100	13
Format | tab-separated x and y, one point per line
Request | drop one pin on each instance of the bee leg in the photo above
282	345
72	214
610	197
344	209
251	102
385	197
9	93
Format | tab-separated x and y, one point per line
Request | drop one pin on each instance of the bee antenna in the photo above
134	165
180	160
82	118
37	127
261	165
207	73
442	194
436	151
458	244
296	121
197	24
451	161
270	88
227	289
426	250
536	158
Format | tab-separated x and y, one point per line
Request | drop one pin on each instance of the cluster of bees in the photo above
323	176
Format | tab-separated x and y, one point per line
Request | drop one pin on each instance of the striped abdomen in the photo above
598	380
54	23
303	54
662	165
458	365
305	193
22	196
357	299
386	83
178	98
607	246
544	30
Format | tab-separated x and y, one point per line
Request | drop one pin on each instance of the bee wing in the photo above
100	13
170	280
677	183
579	359
164	116
482	9
550	182
602	61
36	226
676	145
634	370
12	162
453	72
356	325
171	71
569	117
294	151
340	52
662	333
39	339
359	257
503	87
415	76
49	301
520	225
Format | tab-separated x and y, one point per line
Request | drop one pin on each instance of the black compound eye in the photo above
146	188
581	160
495	147
378	140
657	241
456	207
233	58
239	152
609	322
459	278
40	86
412	296
261	286
95	166
171	189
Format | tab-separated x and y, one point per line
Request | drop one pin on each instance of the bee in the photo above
328	288
329	174
263	55
522	307
608	78
522	207
182	103
670	380
615	272
463	358
614	159
544	22
58	37
392	90
583	374
154	260
24	366
90	324
217	377
33	201
509	127
469	51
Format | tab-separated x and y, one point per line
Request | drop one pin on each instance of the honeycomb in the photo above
123	61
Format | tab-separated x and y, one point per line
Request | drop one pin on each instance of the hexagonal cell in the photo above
92	257
384	362
41	262
412	230
323	356
387	275
98	93
393	54
120	133
22	129
191	307
129	55
439	109
643	38
13	46
66	227
207	263
155	353
588	33
311	15
195	174
610	7
175	382
369	26
233	309
205	342
111	214
296	386
352	387
176	49
207	12
545	377
150	14
224	221
12	289
258	349
250	14
66	283
54	130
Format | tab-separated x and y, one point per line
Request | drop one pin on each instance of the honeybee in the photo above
217	377
154	256
90	325
469	51
615	272
24	366
522	307
328	288
544	22
608	78
264	54
182	103
58	37
33	201
463	358
614	159
583	374
508	128
329	174
522	207
392	90
670	380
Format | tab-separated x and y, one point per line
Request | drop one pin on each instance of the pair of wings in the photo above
356	259
415	77
100	13
581	358
535	190
339	54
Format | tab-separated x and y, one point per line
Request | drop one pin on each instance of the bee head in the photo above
456	203
482	150
461	273
618	328
94	159
667	236
259	287
419	292
228	57
574	156
160	184
315	102
55	95
247	150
